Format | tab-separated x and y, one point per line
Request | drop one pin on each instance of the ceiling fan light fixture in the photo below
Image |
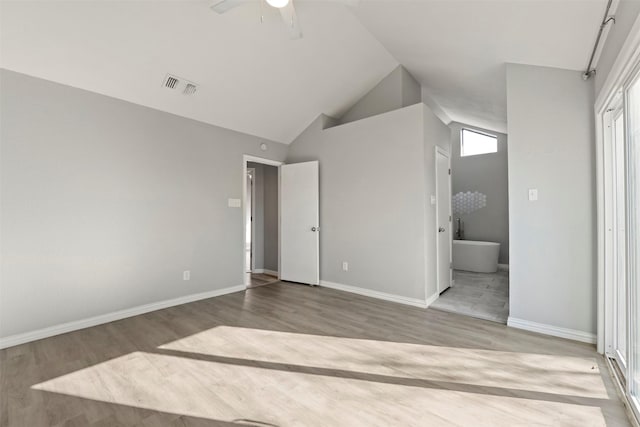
278	3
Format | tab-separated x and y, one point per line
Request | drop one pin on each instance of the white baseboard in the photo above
503	267
432	299
555	331
17	339
265	271
375	294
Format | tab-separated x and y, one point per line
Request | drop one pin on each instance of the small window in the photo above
474	143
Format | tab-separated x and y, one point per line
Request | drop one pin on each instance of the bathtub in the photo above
481	257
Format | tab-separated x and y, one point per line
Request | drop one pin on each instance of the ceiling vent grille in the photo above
189	89
179	84
171	82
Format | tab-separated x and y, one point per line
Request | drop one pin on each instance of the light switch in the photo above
433	199
235	203
533	194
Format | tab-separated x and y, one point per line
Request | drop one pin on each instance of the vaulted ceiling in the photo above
256	80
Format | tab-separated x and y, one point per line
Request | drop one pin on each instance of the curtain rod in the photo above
605	20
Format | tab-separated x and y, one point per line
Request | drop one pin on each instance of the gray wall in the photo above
397	90
257	213
265	217
551	148
626	15
271	234
105	203
373	188
486	173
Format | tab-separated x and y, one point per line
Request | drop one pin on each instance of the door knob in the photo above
441	230
314	229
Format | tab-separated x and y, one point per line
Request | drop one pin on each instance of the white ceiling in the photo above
458	49
254	79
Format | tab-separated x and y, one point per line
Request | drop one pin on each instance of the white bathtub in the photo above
481	257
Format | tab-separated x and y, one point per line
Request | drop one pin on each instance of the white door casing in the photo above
443	219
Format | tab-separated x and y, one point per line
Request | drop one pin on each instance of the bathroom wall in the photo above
487	174
265	217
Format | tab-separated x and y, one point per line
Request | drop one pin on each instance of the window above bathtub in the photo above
473	143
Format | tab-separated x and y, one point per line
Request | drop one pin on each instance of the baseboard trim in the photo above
265	271
432	299
415	302
555	331
63	328
503	267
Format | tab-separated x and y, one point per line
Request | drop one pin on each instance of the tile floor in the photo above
481	295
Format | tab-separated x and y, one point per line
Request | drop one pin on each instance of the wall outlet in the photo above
533	194
186	275
345	266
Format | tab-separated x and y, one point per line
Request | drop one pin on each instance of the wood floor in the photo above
261	279
292	355
481	295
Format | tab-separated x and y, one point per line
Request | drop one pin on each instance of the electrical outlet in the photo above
345	266
186	275
533	194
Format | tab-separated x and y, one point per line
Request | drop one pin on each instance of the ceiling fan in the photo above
287	11
286	8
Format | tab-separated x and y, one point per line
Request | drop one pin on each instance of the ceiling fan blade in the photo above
222	6
290	19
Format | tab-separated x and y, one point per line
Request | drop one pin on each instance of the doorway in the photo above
261	222
473	224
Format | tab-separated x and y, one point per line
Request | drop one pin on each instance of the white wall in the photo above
486	173
435	133
373	192
551	148
105	203
397	90
271	219
626	15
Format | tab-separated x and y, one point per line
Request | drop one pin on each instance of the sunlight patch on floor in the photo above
573	376
222	391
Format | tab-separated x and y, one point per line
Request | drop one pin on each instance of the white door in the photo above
443	219
299	223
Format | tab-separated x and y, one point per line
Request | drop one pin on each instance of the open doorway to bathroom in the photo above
261	222
480	225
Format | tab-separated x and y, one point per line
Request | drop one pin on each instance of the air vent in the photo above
171	82
189	89
176	83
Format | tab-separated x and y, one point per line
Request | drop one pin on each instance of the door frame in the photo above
622	72
246	158
253	211
445	153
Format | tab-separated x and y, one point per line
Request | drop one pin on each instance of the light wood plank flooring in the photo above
481	295
292	355
261	279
